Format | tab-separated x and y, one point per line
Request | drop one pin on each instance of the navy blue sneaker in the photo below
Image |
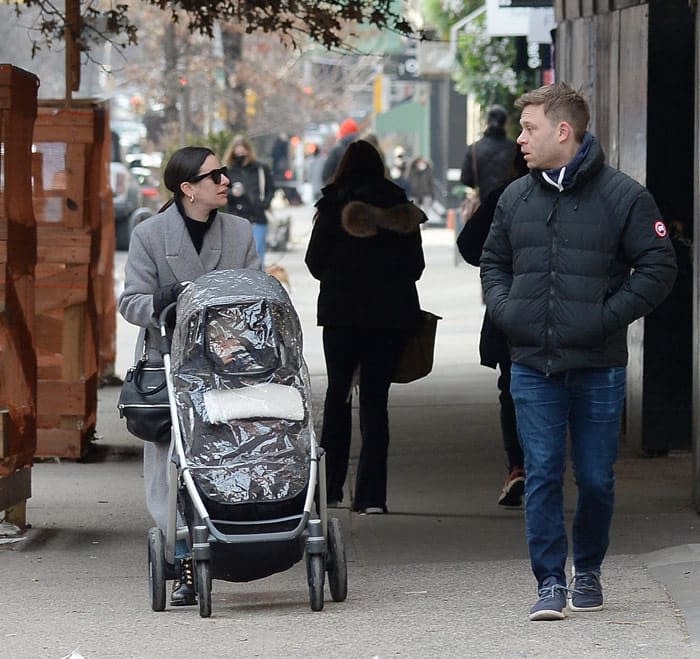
552	602
586	592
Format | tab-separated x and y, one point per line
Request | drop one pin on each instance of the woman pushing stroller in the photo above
187	238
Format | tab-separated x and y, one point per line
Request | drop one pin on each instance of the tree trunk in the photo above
170	77
234	88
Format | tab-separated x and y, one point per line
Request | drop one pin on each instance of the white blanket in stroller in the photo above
276	401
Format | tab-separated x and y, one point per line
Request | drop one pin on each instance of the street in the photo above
445	574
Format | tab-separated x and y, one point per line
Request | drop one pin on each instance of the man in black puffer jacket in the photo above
576	252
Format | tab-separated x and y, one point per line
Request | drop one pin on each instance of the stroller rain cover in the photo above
242	388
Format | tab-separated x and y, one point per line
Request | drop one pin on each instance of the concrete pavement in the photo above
445	574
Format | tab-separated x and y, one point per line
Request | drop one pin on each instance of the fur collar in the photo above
362	220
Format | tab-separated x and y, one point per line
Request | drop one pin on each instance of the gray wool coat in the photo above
161	253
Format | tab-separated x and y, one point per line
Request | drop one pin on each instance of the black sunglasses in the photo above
215	174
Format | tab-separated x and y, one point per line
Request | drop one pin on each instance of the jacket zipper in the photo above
550	297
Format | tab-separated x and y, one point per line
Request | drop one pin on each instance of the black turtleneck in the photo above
195	228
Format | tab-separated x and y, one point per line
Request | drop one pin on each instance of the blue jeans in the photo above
260	236
587	402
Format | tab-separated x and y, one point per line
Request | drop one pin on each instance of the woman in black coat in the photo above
251	189
366	250
493	345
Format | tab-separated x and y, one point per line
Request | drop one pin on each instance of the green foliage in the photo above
486	66
443	14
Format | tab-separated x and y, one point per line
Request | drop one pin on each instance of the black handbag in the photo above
143	402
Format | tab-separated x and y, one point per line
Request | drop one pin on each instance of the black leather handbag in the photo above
143	402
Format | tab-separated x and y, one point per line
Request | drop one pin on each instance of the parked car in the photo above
149	186
135	194
126	194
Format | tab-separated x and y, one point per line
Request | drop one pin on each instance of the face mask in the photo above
238	160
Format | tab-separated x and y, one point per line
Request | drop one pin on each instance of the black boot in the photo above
183	593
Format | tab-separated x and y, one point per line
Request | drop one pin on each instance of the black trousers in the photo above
376	352
509	432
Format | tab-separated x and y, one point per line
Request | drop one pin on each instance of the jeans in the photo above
587	402
260	236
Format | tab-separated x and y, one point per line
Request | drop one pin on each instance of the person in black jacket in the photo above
347	134
493	345
251	188
576	252
493	155
366	250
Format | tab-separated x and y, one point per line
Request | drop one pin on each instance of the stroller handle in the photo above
165	336
165	339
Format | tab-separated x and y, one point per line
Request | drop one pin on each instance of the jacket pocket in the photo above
516	325
586	329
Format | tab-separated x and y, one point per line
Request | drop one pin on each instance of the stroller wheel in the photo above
156	569
336	563
202	579
315	574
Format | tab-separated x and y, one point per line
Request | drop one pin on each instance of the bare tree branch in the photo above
324	22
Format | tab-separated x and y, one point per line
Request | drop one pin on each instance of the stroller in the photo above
246	472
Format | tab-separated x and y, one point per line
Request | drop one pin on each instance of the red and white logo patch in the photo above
660	229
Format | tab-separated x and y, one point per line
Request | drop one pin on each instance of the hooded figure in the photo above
347	133
365	248
487	162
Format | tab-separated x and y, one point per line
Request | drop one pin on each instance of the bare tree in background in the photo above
323	22
189	84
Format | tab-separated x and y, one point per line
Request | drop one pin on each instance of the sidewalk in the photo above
445	574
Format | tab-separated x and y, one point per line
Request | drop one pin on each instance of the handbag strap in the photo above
475	171
138	376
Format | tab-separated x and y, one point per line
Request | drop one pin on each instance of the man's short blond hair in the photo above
561	103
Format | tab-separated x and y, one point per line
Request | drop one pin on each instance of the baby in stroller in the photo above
246	467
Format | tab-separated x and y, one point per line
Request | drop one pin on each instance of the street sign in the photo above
535	23
524	3
402	67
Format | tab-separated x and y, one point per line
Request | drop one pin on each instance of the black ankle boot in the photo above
183	593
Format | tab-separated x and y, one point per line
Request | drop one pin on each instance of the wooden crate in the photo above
75	306
102	260
18	367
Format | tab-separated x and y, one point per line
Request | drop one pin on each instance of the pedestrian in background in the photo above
365	249
420	180
488	161
576	252
493	344
397	169
186	239
347	133
251	189
316	161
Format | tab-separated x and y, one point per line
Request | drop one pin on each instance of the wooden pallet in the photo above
18	367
